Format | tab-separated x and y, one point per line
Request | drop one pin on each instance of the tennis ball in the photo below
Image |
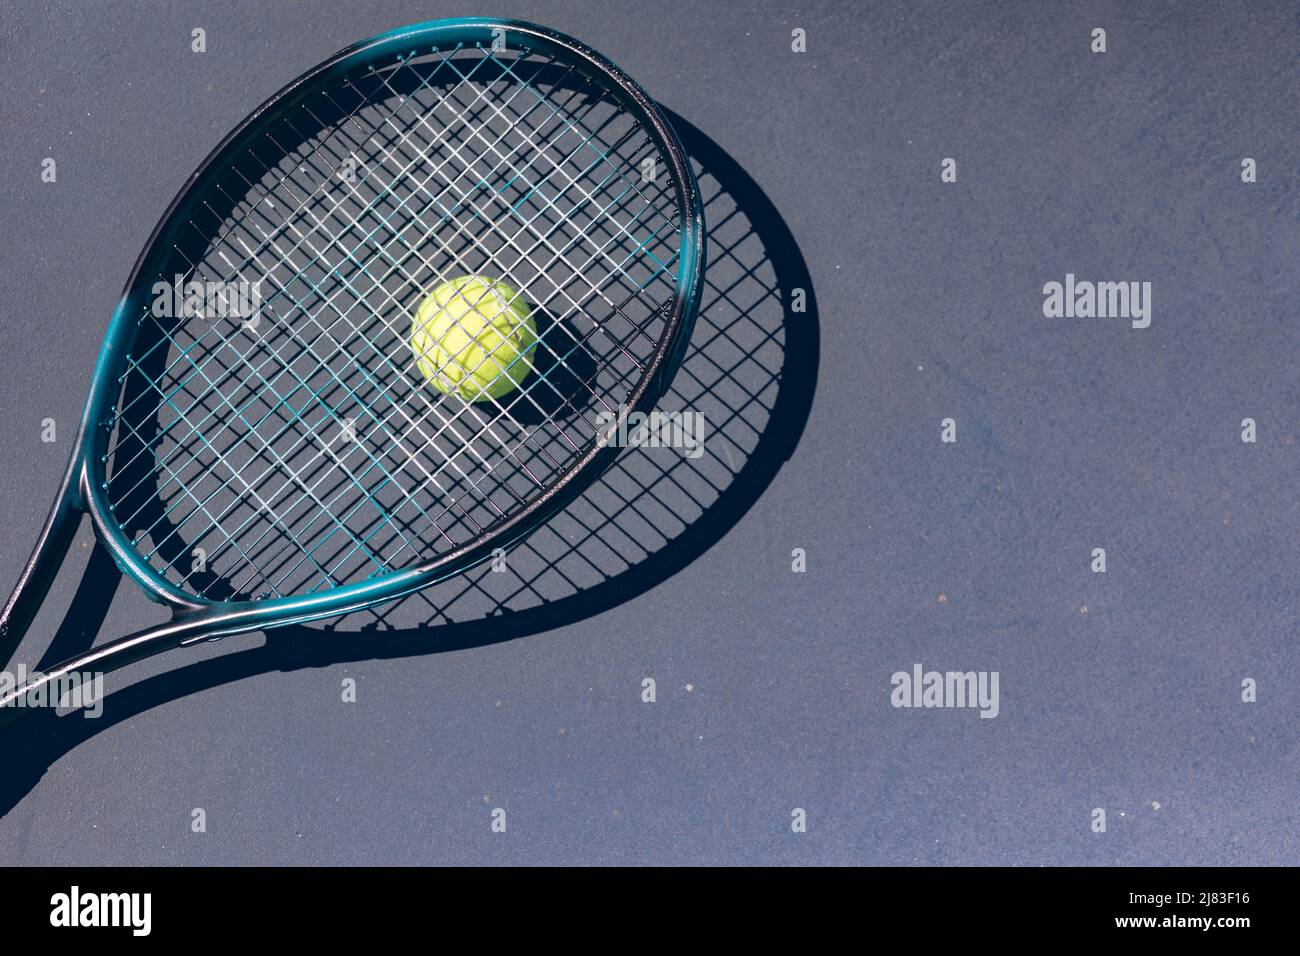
475	337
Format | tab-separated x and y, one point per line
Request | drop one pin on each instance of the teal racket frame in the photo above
84	486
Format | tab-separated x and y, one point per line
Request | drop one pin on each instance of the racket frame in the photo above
84	487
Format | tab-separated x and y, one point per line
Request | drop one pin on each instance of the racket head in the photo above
160	425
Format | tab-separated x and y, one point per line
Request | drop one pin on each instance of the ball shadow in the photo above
561	382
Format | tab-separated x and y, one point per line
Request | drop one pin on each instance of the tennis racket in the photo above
265	442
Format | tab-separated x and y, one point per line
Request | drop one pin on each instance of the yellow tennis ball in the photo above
475	337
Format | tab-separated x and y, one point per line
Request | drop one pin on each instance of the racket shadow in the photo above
747	384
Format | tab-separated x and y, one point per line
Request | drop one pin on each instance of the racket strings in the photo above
407	542
466	178
562	357
230	229
399	237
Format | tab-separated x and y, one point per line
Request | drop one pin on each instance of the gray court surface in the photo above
523	691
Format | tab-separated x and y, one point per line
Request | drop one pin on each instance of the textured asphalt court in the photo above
1119	690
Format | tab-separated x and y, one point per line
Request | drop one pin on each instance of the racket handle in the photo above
42	567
